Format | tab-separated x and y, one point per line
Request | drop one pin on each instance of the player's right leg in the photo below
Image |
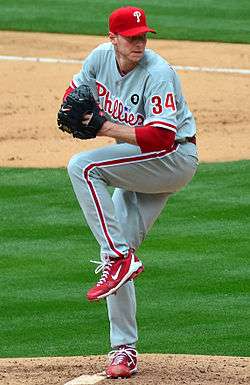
136	213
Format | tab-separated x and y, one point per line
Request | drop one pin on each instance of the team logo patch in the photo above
135	99
137	14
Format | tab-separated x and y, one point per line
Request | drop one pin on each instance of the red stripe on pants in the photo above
112	162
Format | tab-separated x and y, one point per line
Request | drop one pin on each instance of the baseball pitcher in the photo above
127	92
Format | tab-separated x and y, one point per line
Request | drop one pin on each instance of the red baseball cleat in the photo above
123	362
115	272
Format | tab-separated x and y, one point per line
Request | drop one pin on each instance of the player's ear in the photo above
113	37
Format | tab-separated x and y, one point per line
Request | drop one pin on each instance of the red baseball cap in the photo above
128	21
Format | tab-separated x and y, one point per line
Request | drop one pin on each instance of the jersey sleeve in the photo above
160	105
87	74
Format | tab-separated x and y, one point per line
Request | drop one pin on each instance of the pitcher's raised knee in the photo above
77	164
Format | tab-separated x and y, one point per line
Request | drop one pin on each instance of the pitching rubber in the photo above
87	379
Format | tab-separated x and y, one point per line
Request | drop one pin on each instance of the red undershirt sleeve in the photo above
154	138
67	92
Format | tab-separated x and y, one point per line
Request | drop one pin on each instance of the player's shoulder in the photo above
156	66
99	56
103	49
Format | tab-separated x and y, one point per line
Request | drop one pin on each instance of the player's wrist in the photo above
105	129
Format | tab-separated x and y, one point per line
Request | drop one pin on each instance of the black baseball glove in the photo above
72	111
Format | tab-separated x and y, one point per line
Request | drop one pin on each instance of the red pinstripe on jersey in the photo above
117	162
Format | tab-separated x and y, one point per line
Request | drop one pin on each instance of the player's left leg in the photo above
123	166
91	189
119	264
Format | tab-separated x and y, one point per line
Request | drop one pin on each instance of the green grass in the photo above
192	298
204	20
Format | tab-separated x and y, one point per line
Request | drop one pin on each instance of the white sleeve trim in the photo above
161	124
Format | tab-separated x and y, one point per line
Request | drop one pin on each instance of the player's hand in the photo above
80	115
86	118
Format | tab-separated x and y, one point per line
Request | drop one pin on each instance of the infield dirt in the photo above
29	138
33	92
154	369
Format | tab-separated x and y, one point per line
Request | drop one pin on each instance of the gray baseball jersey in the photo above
149	94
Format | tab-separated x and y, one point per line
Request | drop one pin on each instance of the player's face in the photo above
130	48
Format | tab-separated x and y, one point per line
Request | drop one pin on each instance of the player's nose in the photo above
139	44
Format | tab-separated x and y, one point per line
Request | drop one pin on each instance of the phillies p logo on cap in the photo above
128	21
137	14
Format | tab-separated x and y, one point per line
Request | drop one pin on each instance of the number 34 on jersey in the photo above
159	104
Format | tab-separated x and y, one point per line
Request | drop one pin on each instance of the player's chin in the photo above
136	56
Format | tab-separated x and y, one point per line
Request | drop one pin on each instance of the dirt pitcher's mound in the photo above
154	369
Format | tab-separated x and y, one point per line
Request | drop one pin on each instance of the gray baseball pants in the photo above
143	183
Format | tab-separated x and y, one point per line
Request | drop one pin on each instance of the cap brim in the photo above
136	31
